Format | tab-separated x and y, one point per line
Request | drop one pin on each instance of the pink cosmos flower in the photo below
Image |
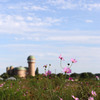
61	99
48	73
93	93
11	84
61	58
71	79
1	85
67	70
90	98
17	89
24	94
97	77
75	98
73	60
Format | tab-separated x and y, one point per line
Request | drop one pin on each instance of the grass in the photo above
48	88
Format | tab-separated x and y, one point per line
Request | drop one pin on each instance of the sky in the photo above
48	28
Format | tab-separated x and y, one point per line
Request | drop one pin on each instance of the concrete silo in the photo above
31	65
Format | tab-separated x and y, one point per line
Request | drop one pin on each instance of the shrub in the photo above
84	76
60	75
4	75
75	75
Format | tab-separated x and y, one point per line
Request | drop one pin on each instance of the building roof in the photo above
31	57
21	68
11	66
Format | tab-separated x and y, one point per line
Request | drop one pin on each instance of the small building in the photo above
23	71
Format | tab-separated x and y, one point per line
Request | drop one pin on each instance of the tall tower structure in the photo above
31	65
7	70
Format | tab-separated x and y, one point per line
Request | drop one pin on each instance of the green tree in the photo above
4	75
84	76
90	75
37	71
75	75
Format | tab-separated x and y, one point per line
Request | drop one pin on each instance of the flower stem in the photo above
70	65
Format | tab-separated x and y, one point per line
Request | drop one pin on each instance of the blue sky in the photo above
48	28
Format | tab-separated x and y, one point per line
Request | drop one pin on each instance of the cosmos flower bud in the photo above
61	58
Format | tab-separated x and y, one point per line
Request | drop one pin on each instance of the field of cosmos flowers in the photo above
49	86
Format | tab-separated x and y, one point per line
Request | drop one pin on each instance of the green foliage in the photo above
90	75
48	88
86	76
29	77
60	75
37	71
74	75
4	75
17	77
97	74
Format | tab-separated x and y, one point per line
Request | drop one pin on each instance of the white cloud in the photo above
76	39
29	18
28	38
11	7
27	6
18	45
38	8
4	0
52	20
89	21
86	39
67	51
92	6
63	4
72	4
59	4
20	24
19	18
